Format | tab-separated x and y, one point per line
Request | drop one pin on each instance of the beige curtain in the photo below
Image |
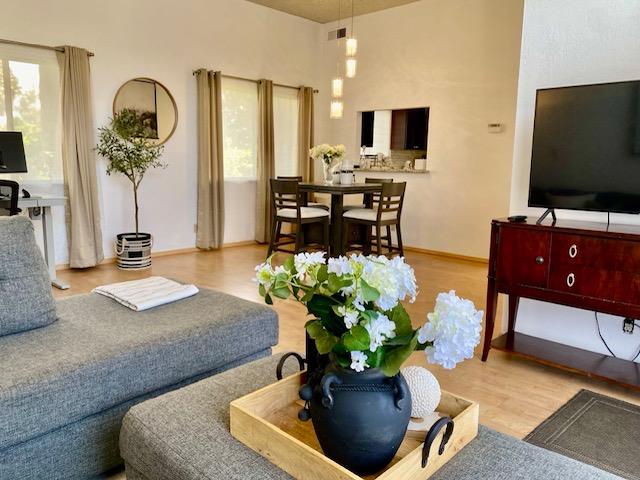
305	132
266	161
210	228
85	235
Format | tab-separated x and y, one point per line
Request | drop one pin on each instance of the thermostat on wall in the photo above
495	127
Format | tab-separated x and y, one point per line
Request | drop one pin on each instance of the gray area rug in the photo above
594	429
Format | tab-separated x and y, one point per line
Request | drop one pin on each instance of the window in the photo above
240	128
285	130
30	103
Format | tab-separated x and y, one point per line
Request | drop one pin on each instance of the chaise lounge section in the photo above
66	386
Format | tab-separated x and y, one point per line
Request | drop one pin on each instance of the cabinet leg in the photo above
514	301
492	301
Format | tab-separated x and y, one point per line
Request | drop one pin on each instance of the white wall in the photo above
460	58
166	40
571	42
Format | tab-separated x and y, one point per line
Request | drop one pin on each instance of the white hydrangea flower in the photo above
340	266
394	279
305	261
380	329
350	316
453	329
265	274
358	361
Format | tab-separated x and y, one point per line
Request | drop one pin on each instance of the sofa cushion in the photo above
100	354
26	301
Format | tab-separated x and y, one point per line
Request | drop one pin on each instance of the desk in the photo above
337	193
44	203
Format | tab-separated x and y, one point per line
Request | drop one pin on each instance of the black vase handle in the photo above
327	382
401	391
432	435
284	358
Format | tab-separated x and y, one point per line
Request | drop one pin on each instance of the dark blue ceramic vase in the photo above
360	419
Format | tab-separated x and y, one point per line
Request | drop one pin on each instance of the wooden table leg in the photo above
336	225
492	302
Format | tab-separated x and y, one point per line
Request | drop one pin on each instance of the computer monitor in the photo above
12	158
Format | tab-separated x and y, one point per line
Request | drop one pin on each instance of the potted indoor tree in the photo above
125	144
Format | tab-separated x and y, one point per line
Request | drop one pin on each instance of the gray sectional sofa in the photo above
66	385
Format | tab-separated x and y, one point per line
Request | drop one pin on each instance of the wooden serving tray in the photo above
267	422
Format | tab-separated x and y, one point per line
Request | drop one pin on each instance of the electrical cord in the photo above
602	338
635	323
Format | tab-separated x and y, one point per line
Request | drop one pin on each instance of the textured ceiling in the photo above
324	11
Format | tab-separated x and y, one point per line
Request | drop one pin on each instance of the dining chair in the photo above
386	214
288	208
299	179
9	196
374	197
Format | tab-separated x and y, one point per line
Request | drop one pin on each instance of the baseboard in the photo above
455	256
165	253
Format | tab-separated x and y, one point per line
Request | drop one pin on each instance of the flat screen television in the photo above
586	148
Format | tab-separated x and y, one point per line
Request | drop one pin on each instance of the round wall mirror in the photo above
154	104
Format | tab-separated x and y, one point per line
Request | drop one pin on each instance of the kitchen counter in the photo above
388	170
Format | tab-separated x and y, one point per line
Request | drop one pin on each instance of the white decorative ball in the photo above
425	391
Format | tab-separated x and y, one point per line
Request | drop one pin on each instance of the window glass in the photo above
239	128
285	130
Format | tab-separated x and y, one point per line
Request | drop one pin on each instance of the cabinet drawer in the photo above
617	286
523	257
595	252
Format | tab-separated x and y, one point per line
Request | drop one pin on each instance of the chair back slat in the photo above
285	194
391	199
375	197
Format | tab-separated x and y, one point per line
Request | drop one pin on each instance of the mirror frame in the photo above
173	102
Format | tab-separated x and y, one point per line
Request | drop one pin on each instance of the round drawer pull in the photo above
573	251
539	259
571	280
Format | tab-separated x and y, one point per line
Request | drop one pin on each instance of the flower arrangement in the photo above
358	315
327	153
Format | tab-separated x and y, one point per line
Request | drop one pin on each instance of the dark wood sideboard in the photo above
586	265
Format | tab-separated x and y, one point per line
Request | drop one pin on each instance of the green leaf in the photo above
374	359
281	292
314	328
262	291
400	340
321	307
323	274
289	264
394	358
308	295
336	283
401	318
325	343
357	339
369	294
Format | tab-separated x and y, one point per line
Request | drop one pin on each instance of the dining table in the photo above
337	193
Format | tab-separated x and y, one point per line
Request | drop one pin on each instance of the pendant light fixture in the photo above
337	109
337	83
352	42
352	48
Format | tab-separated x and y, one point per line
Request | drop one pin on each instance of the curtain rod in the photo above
36	45
256	81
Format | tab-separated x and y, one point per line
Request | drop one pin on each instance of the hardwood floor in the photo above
514	395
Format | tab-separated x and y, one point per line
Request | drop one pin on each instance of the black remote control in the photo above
517	218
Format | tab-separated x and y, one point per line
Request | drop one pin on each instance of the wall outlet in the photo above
628	324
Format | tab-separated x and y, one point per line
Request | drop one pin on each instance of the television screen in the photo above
586	148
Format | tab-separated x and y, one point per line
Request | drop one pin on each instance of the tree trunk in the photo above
135	201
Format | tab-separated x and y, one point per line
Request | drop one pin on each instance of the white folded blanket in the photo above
147	293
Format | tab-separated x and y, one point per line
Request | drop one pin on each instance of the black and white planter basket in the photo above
133	252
